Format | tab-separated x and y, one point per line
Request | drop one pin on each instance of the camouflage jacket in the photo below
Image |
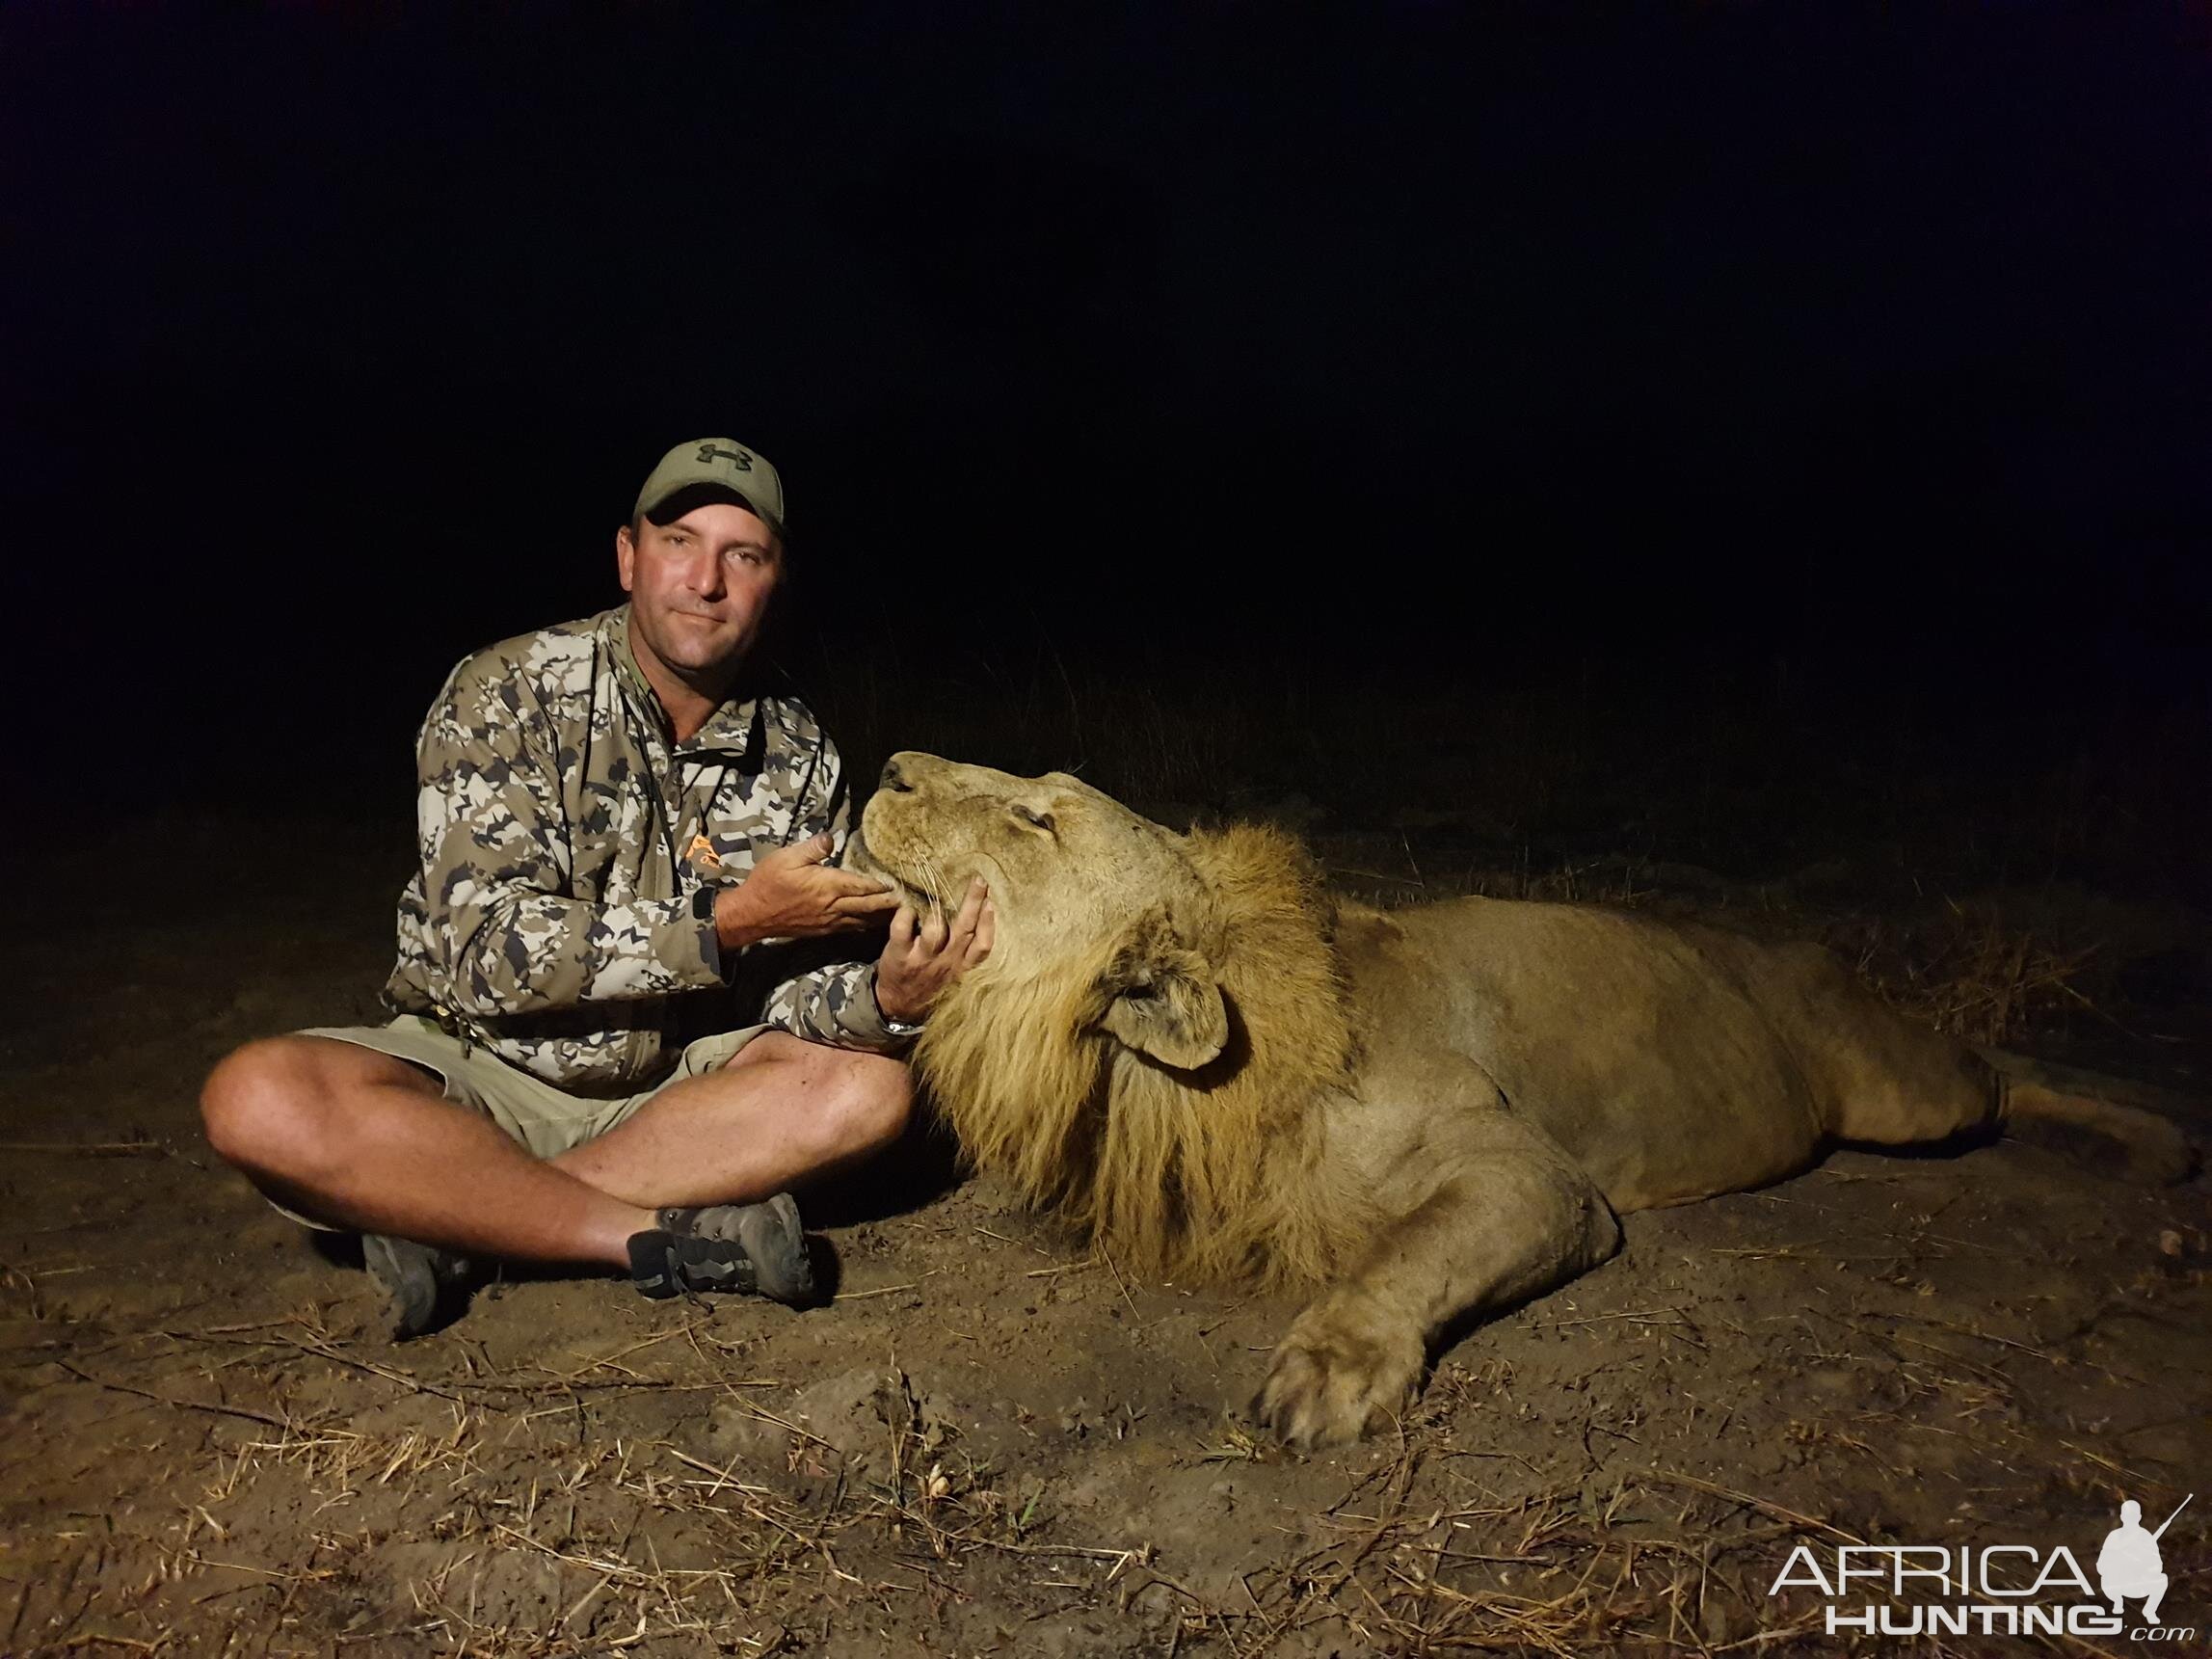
566	839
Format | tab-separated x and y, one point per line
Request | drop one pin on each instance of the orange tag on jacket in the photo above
702	852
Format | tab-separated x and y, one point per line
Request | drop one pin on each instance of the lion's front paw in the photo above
1336	1377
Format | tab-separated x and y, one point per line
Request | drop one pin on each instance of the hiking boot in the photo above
427	1287
758	1249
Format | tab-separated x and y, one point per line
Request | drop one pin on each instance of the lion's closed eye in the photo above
1036	820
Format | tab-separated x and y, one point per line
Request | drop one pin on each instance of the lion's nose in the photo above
894	779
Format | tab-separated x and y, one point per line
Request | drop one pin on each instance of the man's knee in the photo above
871	1099
249	1102
267	1105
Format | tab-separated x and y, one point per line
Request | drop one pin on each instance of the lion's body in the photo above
1185	1047
1671	1062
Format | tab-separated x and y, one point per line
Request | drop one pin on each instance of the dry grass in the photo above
1968	972
448	1506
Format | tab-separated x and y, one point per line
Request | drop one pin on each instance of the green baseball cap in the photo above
714	464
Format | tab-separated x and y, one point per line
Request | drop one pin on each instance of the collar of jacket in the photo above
738	730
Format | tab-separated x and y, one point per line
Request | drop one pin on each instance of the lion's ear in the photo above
1163	999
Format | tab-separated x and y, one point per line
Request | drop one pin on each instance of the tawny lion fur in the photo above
1234	1148
1185	1047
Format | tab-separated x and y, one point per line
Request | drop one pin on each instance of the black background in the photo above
1855	351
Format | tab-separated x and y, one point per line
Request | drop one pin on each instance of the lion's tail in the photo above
2124	1129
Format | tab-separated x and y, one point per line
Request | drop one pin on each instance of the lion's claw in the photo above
1332	1383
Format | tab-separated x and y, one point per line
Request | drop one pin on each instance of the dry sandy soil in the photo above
991	1441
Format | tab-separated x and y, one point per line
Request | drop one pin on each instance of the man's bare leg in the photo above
366	1140
781	1111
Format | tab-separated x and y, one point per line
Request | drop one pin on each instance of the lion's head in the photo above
1075	875
1145	1047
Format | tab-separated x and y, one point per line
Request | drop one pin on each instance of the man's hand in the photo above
920	961
791	894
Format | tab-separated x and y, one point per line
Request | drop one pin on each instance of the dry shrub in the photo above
1967	972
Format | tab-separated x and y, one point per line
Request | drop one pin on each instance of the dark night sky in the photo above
339	338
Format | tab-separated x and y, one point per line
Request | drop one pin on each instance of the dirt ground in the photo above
991	1442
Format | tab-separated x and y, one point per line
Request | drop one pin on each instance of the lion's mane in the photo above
1214	1174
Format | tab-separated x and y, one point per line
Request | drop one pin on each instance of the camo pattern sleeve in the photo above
833	1004
504	929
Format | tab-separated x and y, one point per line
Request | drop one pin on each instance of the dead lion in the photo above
1184	1045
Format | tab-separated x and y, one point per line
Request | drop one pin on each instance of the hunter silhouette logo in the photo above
2130	1565
1994	1589
736	458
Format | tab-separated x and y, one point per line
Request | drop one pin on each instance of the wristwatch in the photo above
894	1028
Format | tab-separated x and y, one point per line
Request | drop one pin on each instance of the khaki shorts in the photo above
545	1119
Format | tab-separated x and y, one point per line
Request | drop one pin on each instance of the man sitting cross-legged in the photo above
618	826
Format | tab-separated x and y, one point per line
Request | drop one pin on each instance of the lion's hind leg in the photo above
1506	1216
1892	1082
1876	1076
